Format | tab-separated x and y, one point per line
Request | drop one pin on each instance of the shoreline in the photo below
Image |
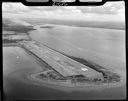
32	76
74	87
87	88
90	64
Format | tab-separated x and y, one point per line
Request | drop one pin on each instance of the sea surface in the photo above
103	46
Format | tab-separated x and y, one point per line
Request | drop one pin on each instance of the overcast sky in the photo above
111	11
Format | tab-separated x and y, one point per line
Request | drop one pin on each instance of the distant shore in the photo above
91	24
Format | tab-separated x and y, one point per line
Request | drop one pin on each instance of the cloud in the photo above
14	7
107	8
108	11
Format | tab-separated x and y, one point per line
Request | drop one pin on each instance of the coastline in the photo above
73	87
70	85
32	76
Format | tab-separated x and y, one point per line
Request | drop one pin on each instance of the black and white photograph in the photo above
64	52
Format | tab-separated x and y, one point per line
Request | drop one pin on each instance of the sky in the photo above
110	11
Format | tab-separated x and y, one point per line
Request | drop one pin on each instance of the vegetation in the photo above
8	25
46	27
108	75
17	28
9	41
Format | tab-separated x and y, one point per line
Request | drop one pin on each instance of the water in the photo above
104	41
103	46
